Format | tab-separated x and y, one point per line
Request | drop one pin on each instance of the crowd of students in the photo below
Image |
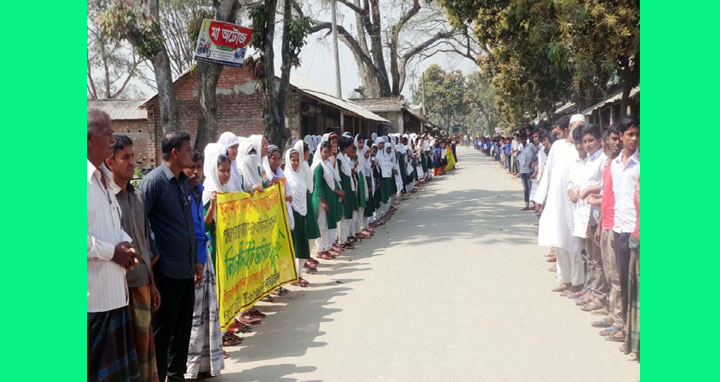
584	184
152	299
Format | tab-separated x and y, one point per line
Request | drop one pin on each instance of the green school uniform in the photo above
350	203
322	191
313	231
301	242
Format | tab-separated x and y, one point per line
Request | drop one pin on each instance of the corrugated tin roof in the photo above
318	91
120	109
617	96
381	104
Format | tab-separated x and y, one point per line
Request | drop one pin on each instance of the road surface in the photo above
454	288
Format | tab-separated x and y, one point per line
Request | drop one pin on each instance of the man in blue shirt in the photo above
166	194
528	155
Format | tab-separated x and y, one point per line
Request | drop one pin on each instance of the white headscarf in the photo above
310	142
361	155
268	171
304	167
346	167
212	180
248	165
226	140
328	171
296	181
256	141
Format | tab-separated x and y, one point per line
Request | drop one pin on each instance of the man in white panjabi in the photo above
553	202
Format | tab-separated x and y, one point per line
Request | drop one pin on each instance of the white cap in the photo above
577	118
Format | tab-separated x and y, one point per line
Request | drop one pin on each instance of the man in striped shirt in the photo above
111	350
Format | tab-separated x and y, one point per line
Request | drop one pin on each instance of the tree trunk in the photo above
274	98
376	50
368	83
208	76
169	114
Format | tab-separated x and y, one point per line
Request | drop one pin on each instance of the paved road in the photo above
454	288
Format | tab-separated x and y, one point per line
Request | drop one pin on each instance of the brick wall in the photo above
240	107
143	139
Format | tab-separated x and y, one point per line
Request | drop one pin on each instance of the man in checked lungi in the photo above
111	349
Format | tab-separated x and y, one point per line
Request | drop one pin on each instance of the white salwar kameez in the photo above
556	222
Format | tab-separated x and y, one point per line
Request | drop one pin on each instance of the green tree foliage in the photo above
483	114
539	53
444	96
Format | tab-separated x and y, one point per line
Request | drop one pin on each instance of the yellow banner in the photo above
255	253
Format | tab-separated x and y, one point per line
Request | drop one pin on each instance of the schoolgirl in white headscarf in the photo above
360	220
228	144
297	189
326	220
249	167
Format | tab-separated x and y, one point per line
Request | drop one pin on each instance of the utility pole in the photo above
338	86
422	86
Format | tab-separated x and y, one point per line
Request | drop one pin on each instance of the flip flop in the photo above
603	323
614	337
609	331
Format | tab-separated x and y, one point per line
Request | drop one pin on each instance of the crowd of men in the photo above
584	184
152	301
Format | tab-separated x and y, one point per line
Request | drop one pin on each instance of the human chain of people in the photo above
154	260
584	184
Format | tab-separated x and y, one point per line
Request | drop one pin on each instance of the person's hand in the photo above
154	298
539	208
342	194
584	193
154	260
259	188
596	236
198	274
324	205
594	199
274	181
572	194
213	196
288	199
125	256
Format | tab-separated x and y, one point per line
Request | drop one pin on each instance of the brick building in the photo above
402	119
309	108
129	120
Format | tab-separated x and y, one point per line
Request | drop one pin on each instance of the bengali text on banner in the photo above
255	253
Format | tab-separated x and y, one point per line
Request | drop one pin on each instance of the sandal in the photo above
616	337
560	288
349	245
591	307
301	283
609	331
551	259
603	323
248	320
313	262
325	255
281	291
267	299
600	312
230	339
256	313
226	355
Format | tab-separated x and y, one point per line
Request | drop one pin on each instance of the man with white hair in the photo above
553	202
